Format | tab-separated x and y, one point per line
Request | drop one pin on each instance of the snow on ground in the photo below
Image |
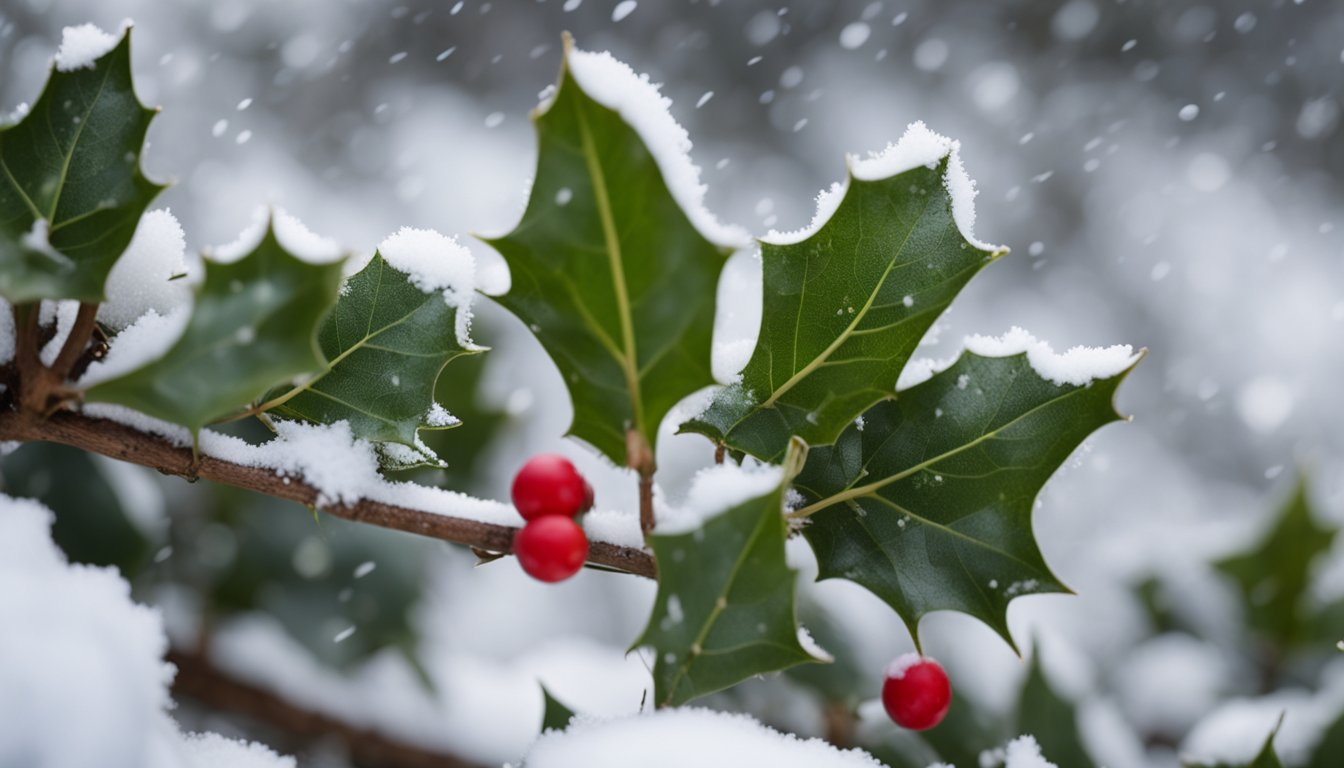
673	738
480	709
84	683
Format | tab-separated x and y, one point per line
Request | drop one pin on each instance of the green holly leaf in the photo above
556	716
609	270
255	319
464	448
725	605
387	340
927	500
72	190
1045	714
844	308
1275	577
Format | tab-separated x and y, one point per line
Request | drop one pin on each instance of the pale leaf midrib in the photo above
627	360
685	668
844	336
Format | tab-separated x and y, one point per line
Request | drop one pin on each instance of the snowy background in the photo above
1168	174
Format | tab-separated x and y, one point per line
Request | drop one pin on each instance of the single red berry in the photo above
916	692
551	548
548	484
587	497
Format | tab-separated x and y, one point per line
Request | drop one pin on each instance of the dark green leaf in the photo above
725	605
1051	719
609	272
464	448
386	340
73	164
556	716
253	326
927	501
1275	576
1328	750
91	524
843	311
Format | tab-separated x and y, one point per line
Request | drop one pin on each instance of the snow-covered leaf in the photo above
610	270
725	607
1274	577
253	326
388	338
72	190
846	302
927	500
1265	758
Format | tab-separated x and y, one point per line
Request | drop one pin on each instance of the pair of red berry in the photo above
916	692
550	493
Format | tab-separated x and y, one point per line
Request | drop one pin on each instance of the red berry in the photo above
551	548
916	692
548	484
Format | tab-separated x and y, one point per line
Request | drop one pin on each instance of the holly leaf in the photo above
926	501
1265	758
844	308
72	190
555	716
254	319
608	269
1274	577
1045	714
387	340
725	605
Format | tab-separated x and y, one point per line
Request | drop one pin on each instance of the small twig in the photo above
121	442
197	678
718	453
76	342
27	363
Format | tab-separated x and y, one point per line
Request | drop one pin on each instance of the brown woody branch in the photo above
121	442
200	680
